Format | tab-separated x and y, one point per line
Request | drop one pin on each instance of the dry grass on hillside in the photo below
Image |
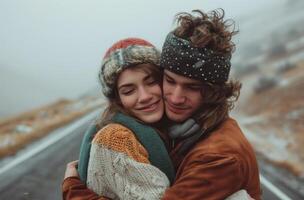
280	123
17	132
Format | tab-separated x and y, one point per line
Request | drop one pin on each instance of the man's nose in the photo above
177	95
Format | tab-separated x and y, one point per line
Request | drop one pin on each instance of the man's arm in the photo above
74	189
211	176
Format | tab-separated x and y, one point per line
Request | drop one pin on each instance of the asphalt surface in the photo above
40	177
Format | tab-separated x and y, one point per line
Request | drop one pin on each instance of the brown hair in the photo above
212	31
207	30
114	103
218	100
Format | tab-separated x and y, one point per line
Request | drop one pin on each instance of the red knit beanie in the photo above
121	44
121	55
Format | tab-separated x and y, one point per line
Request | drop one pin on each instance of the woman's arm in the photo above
119	166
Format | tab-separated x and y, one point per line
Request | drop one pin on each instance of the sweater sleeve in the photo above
211	176
119	167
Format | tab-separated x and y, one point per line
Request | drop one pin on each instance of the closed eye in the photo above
194	88
127	92
151	81
169	80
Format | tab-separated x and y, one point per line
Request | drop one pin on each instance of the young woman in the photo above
127	158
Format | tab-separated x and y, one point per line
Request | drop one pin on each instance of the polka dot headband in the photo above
179	56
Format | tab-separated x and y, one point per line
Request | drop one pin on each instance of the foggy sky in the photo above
51	49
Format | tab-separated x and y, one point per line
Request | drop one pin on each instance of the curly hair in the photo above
210	30
218	100
207	30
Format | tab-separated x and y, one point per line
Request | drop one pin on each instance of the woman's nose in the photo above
144	95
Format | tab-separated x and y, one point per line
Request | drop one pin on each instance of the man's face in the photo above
182	96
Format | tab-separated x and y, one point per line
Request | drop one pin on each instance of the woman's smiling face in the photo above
140	94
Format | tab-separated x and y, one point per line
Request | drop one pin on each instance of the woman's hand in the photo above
71	169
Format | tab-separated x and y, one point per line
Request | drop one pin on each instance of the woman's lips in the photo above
150	107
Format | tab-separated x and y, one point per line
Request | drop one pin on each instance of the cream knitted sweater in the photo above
119	167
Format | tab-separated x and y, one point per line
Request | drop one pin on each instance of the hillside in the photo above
20	130
274	113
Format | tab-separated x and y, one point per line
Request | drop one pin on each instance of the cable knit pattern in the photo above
119	167
119	138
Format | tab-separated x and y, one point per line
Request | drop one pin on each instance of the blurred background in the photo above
50	53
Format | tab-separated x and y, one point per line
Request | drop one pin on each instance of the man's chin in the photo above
176	117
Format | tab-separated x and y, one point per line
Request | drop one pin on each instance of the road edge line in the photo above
68	130
274	189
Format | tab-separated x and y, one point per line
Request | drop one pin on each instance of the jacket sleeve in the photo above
211	176
74	189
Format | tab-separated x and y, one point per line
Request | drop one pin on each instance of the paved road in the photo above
39	178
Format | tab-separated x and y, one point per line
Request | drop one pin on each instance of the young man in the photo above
217	160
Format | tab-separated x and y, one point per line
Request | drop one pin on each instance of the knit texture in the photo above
123	54
152	142
146	136
203	64
122	141
240	195
119	167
